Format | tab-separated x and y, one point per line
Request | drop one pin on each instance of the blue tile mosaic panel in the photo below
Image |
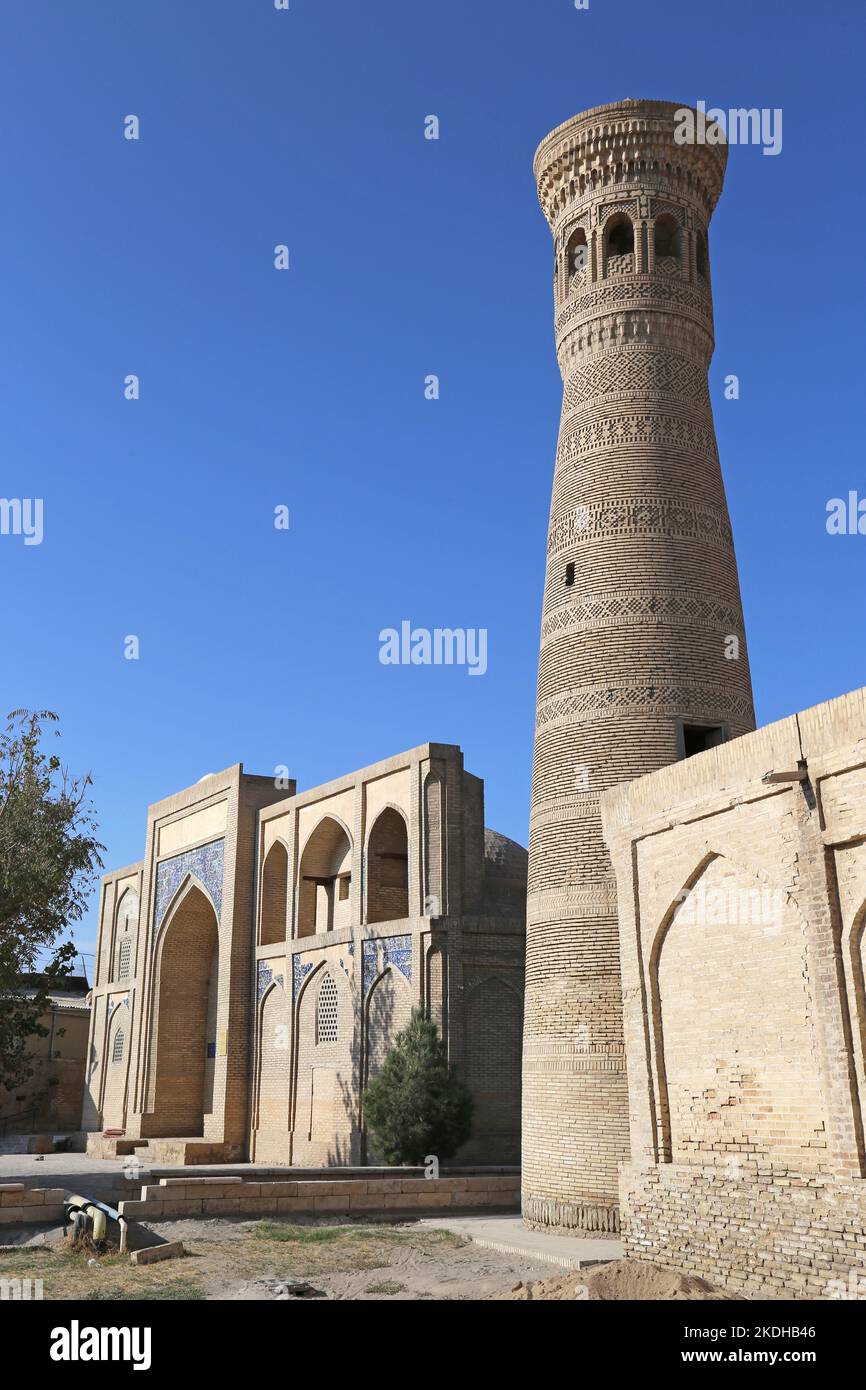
388	950
263	979
206	862
300	971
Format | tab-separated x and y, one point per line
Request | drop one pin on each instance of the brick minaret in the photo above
643	657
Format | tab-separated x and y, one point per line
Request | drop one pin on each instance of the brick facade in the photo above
278	943
741	879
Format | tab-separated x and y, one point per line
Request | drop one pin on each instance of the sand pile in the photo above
621	1279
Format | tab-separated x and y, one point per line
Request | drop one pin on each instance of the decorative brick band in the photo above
639	516
615	431
641	606
573	1216
639	292
601	701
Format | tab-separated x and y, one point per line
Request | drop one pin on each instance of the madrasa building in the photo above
254	968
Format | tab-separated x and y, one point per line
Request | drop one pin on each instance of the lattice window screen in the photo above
326	1018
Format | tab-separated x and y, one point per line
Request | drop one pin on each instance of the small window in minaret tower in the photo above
569	576
697	738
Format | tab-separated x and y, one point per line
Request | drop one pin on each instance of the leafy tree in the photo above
48	861
416	1104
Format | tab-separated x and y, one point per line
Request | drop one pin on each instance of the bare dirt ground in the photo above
260	1260
619	1280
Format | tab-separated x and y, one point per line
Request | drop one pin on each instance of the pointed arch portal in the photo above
186	1011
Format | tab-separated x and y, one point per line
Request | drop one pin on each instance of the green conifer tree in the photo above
416	1105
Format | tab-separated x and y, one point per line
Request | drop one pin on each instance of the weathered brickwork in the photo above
641	603
28	1205
175	1197
741	879
776	1235
277	943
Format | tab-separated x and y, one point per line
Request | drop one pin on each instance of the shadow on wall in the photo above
387	1010
342	1151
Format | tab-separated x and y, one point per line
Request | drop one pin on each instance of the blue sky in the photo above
306	387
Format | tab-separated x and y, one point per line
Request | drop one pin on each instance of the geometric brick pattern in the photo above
641	599
633	371
638	516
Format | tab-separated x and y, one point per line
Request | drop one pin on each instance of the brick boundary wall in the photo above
234	1197
745	1026
780	1236
22	1204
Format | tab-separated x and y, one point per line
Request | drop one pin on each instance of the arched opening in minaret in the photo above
668	244
576	258
619	245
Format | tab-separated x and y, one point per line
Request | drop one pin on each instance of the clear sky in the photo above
305	387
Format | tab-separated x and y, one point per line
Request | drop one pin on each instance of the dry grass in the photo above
66	1274
266	1249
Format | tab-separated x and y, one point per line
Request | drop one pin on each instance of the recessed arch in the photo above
857	959
323	1105
325	878
576	258
185	1013
190	883
388	867
272	1062
125	929
667	244
127	905
275	894
493	1061
619	244
728	1078
387	1011
114	1074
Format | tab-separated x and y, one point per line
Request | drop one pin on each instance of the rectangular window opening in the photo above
697	738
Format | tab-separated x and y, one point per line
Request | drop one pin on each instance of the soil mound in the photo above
619	1280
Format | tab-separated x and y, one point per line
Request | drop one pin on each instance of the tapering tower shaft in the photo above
643	657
